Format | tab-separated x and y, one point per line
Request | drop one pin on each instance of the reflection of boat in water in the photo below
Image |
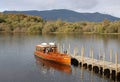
47	65
50	52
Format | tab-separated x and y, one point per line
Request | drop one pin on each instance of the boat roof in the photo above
46	45
42	45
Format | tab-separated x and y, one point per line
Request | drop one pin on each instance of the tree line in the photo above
35	24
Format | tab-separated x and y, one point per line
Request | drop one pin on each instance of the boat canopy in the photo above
51	44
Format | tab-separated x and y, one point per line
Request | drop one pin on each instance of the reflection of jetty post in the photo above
99	65
116	58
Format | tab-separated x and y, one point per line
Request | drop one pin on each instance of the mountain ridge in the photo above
67	15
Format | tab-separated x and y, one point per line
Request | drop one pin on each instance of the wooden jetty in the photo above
98	65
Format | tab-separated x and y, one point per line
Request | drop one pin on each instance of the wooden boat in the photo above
49	64
50	52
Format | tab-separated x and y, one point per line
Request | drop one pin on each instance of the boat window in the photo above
44	50
39	49
54	49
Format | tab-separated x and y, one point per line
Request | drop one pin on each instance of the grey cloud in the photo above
110	6
68	4
72	4
84	4
49	4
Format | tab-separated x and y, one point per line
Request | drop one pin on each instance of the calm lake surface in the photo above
18	63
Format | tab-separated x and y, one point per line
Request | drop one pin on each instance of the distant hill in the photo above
68	15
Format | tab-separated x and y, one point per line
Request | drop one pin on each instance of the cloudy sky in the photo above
111	7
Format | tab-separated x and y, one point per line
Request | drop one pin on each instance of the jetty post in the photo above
69	49
58	47
82	55
63	48
103	62
100	54
111	52
92	57
90	53
75	50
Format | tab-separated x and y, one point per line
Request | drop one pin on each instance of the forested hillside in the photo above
20	23
67	15
35	24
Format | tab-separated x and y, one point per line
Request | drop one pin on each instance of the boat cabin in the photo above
45	48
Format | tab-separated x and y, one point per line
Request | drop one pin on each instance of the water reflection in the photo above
50	66
86	75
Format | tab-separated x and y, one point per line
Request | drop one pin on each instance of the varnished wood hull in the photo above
56	57
54	65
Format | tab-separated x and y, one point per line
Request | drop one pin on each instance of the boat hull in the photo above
56	57
54	65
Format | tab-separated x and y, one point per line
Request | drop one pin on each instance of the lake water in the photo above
18	63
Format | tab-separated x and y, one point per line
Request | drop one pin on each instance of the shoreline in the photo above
60	33
84	33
